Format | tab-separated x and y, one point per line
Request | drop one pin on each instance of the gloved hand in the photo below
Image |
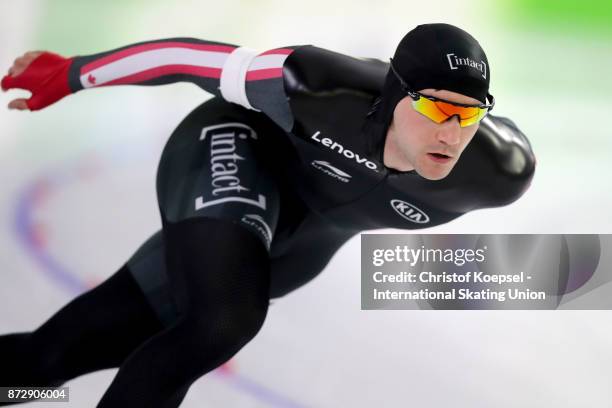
44	74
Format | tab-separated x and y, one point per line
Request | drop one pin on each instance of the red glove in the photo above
46	77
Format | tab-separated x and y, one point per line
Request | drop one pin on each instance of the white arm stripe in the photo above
147	60
233	76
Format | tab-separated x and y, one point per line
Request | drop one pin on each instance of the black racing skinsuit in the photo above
254	202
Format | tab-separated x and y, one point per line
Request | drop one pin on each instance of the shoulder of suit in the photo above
313	70
511	155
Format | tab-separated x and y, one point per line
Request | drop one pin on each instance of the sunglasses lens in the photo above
440	111
475	119
428	108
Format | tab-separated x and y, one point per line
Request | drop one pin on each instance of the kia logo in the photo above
409	212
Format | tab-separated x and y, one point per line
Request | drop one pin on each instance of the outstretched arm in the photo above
221	69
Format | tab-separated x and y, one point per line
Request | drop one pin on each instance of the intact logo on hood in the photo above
331	171
410	212
455	61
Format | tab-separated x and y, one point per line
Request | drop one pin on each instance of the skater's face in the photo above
415	142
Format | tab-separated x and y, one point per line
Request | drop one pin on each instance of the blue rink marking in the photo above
25	228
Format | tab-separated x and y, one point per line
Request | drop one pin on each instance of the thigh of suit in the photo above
302	248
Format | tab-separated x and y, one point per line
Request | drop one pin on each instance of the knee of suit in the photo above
225	330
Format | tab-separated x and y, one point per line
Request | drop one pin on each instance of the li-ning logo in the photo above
409	212
331	171
224	165
455	61
257	222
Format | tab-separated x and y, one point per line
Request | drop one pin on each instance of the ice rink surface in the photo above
78	198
